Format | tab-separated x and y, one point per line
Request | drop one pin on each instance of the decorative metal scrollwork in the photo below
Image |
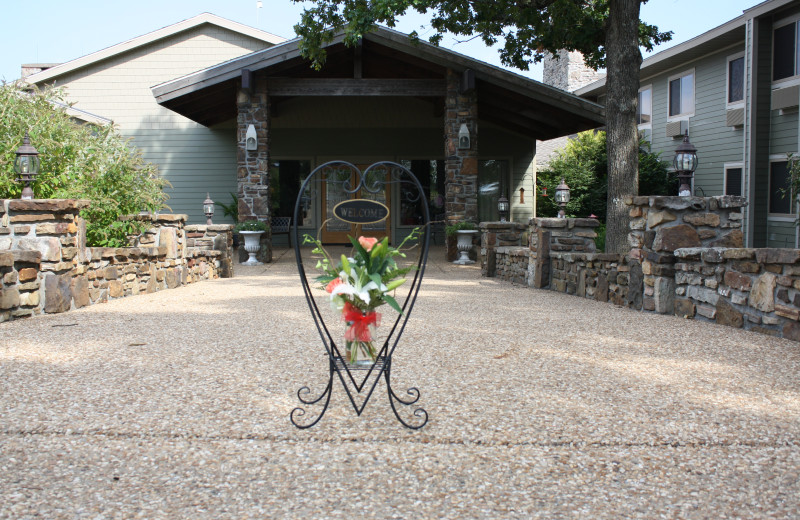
360	382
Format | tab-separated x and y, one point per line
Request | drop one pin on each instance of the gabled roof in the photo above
209	95
727	34
146	39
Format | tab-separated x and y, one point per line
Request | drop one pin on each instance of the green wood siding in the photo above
716	143
783	133
194	161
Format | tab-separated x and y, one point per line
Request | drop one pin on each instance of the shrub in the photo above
458	226
583	164
250	225
81	161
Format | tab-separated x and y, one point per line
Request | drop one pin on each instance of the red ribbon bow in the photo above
359	323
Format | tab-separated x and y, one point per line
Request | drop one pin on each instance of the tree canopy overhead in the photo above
607	32
528	28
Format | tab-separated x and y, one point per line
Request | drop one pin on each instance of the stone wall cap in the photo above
688	252
511	249
731	201
27	256
47	204
678	203
584	222
196	252
195	227
549	222
219	227
777	256
166	217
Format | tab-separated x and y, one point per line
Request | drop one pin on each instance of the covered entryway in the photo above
449	116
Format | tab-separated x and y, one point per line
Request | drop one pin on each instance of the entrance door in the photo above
334	191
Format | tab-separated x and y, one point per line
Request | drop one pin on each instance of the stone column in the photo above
461	165
253	165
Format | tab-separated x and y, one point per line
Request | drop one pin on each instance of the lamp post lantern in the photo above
208	208
502	208
26	165
562	197
685	163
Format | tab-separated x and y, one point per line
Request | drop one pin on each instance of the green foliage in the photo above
250	225
528	29
583	164
78	161
231	209
600	239
451	230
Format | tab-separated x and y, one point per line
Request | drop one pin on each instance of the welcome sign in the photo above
361	211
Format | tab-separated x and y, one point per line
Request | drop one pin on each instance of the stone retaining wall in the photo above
46	267
599	276
754	289
687	258
497	235
511	264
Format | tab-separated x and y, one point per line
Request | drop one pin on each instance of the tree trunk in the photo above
623	62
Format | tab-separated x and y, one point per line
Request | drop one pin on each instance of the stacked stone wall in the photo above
512	264
754	289
496	235
46	267
687	259
461	164
598	276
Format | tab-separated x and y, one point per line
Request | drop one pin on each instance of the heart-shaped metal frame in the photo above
376	177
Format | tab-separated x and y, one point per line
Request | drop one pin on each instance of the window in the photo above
736	79
644	109
492	182
780	200
285	179
681	95
431	175
784	51
733	179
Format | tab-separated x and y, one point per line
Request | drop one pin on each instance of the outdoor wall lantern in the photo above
522	195
250	140
208	208
26	165
463	137
502	208
685	164
562	197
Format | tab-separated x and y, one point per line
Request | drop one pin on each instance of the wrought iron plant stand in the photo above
360	381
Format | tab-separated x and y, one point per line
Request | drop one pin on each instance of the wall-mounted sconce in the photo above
251	141
522	195
463	137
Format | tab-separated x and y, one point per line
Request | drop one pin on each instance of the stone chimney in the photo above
29	69
568	72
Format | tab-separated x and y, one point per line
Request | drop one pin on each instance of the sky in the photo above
55	31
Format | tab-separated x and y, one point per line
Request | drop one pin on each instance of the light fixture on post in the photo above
463	137
251	139
26	165
562	197
208	208
502	208
685	164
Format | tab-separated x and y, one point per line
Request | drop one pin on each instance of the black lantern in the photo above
27	166
685	164
562	197
502	208
208	208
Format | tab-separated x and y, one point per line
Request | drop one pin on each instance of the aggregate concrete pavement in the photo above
541	405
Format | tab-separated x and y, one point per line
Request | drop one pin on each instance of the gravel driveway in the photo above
542	405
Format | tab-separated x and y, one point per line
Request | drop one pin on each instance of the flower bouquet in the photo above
358	285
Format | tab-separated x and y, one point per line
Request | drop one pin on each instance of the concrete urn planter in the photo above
252	243
464	246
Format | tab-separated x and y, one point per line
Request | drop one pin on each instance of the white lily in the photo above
357	290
